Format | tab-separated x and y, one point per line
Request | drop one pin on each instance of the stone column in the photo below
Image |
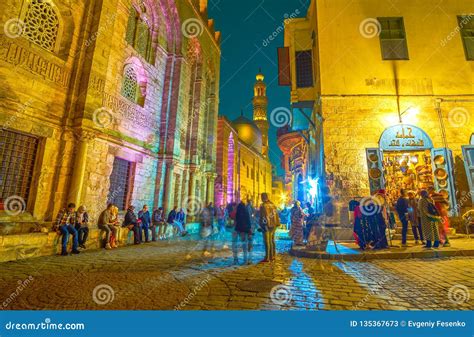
210	189
192	183
79	169
168	188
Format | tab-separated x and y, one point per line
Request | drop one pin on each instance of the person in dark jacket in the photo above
159	223
243	231
402	210
145	217
180	222
131	222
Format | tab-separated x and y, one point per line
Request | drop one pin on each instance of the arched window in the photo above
130	84
41	24
139	32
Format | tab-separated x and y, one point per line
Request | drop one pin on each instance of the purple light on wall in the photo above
230	169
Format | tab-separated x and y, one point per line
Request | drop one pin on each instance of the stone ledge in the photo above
22	246
465	249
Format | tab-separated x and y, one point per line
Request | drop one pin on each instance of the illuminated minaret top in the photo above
260	104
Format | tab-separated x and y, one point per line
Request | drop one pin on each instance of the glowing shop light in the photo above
313	186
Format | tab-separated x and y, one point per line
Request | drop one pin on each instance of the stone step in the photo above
411	237
398	230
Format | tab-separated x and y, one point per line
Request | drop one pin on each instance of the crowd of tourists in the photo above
243	219
426	211
374	219
76	223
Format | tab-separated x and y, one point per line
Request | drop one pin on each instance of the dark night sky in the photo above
245	24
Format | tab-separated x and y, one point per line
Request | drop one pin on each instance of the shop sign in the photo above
404	137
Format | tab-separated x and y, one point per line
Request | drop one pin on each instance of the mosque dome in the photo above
248	132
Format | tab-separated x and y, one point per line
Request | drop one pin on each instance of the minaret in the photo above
260	104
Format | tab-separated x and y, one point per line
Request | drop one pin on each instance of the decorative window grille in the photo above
17	160
120	183
130	84
138	33
41	24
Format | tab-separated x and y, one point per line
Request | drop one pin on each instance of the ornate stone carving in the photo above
20	56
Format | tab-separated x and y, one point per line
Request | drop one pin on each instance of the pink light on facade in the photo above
230	170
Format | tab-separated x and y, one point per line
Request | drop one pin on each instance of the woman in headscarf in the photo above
82	226
297	220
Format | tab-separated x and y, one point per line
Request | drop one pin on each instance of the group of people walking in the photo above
74	223
245	221
243	217
427	213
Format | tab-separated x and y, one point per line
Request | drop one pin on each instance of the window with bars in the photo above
466	25
120	183
17	160
138	33
393	42
304	69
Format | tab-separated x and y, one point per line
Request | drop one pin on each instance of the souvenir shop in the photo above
406	159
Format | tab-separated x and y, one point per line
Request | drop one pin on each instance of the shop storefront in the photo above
406	159
468	154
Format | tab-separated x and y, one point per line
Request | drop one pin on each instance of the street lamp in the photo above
411	109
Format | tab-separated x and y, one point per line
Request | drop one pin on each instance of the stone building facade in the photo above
106	101
389	88
244	170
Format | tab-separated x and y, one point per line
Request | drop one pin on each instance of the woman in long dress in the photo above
297	220
429	220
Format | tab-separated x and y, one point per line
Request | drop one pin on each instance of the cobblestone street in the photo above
174	275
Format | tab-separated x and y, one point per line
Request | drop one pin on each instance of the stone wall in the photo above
352	124
71	98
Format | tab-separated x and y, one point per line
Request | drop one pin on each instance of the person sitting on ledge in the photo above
159	221
131	222
145	217
82	226
115	223
65	225
106	223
